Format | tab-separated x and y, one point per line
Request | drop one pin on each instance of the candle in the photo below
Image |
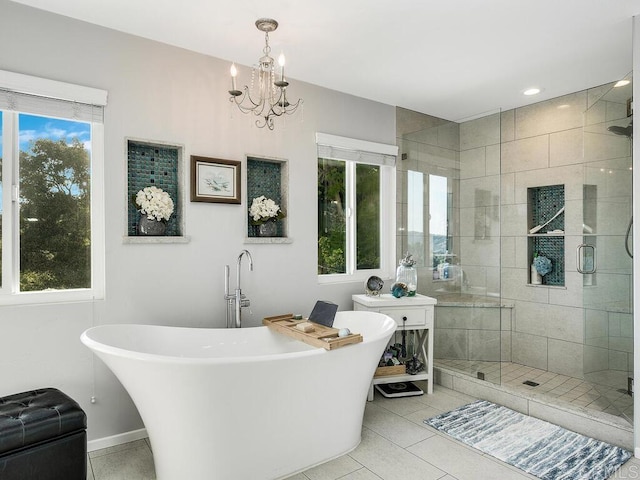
234	74
281	61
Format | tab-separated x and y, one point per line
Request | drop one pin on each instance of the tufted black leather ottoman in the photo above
42	437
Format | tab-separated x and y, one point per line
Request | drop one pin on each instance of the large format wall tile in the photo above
566	358
450	343
480	132
473	163
508	126
484	345
526	154
530	350
566	147
471	318
562	113
595	359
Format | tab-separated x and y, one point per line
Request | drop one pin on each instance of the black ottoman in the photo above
42	437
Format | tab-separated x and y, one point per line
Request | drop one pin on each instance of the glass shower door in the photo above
603	257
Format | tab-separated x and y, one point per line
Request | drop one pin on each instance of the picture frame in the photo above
215	180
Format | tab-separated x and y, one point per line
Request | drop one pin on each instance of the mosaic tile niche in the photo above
150	164
544	203
269	178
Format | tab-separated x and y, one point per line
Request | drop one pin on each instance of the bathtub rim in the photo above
98	347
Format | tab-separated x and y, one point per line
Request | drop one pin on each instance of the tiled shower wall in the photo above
573	329
480	205
542	145
547	144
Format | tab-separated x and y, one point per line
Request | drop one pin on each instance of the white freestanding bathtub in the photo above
243	404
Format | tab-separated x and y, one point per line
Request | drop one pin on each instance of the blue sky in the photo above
32	127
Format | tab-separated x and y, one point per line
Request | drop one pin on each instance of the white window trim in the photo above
383	155
9	294
43	87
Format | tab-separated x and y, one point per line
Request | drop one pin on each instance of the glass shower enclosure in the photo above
448	213
469	194
604	256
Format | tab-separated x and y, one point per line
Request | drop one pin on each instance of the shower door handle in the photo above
580	258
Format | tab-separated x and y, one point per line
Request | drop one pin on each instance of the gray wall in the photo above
166	94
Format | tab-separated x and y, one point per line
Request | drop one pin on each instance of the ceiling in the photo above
453	59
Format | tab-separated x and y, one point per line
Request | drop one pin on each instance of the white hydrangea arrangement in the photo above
155	203
264	209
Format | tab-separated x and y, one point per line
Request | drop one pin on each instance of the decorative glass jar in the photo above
408	274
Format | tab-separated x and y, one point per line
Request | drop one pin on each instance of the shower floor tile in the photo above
600	391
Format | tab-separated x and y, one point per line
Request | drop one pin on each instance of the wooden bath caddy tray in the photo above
324	337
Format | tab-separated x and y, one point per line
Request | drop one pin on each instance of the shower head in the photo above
626	131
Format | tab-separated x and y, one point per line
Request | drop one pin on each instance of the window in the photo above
415	216
51	209
356	194
439	213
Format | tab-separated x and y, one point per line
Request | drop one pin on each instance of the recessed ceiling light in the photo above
531	91
621	83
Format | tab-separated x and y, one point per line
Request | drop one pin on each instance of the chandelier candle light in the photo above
267	96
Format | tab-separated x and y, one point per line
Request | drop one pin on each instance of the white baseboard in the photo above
114	440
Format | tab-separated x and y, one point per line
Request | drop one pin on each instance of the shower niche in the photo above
546	223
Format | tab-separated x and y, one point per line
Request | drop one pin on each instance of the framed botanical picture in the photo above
215	180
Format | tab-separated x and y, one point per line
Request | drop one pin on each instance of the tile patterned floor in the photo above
601	391
395	445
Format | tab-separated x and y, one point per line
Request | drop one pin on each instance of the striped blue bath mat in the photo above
540	448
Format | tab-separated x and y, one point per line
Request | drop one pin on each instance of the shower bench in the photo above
42	436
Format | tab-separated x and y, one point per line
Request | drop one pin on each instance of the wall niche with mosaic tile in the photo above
546	222
155	164
268	177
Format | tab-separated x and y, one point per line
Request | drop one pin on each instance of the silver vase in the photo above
151	227
267	229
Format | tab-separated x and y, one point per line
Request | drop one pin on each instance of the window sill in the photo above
276	240
50	297
359	277
150	240
555	287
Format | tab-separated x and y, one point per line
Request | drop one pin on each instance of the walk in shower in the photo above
479	200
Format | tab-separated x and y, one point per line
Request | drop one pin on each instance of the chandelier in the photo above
266	98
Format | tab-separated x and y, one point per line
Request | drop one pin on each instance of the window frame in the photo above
354	152
49	90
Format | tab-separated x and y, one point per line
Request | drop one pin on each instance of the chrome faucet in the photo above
237	300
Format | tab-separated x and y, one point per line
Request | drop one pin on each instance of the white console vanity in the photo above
410	313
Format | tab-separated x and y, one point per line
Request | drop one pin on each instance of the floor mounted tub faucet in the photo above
237	300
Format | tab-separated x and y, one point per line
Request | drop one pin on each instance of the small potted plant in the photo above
264	213
155	207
